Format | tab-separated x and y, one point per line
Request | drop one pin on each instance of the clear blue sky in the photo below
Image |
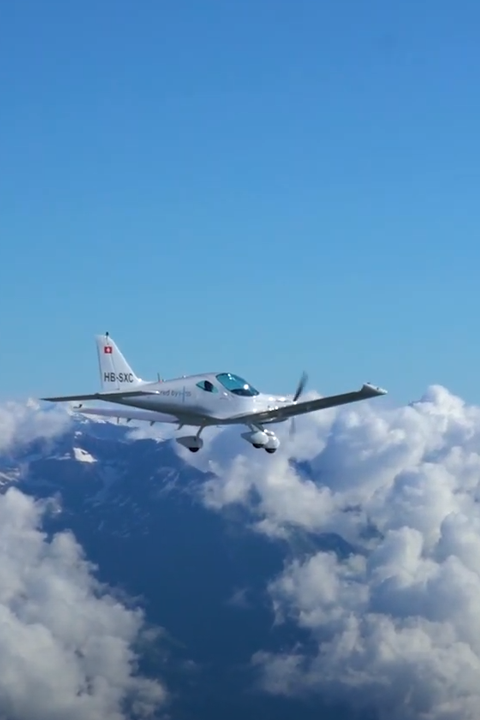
260	186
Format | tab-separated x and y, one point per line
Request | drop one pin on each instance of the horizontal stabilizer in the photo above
102	396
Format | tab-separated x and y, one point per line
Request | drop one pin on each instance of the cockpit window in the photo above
236	385
207	386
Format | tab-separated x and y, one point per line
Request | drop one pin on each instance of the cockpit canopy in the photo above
236	385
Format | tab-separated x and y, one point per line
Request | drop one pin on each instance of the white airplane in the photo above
210	399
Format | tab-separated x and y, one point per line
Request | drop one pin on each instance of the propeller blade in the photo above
301	386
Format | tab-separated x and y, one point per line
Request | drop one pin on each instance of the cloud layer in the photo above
393	626
67	644
396	624
21	423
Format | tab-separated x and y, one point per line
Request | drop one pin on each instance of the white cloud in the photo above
66	643
21	423
396	625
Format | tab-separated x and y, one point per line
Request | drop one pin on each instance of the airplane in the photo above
200	401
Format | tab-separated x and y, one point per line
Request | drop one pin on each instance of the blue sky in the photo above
259	186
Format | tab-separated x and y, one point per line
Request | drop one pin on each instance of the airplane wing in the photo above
283	412
129	414
101	396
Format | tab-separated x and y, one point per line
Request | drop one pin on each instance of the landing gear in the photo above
194	443
260	438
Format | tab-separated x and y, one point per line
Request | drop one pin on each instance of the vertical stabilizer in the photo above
115	372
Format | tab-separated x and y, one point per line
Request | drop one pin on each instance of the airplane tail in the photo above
115	372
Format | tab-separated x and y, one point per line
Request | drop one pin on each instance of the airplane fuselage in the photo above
187	398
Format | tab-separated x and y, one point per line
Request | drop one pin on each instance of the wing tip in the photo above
373	390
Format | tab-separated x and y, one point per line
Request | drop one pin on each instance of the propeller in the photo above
301	386
298	392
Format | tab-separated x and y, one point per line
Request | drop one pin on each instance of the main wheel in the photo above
271	450
194	449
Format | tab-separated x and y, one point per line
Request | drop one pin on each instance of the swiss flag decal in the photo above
107	349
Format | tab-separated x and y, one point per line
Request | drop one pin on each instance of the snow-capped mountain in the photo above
135	507
344	569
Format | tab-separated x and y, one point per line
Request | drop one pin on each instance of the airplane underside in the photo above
257	437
